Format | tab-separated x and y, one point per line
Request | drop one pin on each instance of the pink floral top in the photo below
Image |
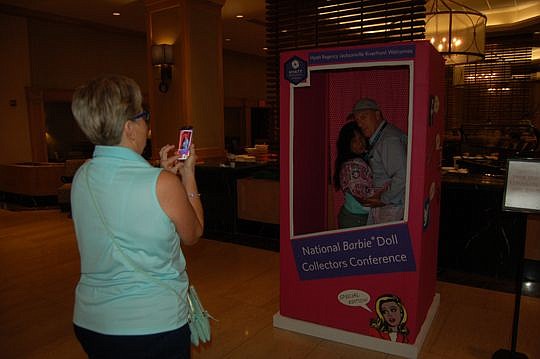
356	178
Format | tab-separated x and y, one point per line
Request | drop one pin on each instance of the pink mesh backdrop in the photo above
388	86
310	156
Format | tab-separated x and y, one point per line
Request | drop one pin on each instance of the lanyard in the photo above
378	135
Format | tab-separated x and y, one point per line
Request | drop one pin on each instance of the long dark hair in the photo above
343	145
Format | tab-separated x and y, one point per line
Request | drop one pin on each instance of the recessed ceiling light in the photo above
239	16
227	39
265	48
116	13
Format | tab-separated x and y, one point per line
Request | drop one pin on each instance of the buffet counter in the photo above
476	235
258	200
217	183
471	179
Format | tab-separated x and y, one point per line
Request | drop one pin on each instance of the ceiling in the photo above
247	35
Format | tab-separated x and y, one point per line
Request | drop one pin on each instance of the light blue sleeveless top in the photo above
111	296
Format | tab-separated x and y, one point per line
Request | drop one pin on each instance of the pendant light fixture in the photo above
457	31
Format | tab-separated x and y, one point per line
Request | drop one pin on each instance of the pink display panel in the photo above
349	279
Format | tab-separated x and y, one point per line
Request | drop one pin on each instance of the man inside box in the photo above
387	158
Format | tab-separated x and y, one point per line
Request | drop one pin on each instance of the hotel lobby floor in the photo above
239	285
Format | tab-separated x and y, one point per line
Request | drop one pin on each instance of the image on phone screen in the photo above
184	141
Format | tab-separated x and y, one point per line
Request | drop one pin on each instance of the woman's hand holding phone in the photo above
187	167
170	164
173	164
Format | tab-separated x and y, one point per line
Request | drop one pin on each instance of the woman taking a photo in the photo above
129	220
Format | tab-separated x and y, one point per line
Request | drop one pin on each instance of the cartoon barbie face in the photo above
391	320
391	313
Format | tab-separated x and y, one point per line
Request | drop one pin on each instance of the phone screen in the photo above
184	141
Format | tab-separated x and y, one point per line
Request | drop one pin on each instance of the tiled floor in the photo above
239	285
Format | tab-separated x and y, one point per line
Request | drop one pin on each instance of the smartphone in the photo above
184	141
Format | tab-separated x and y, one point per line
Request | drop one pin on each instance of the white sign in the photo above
522	191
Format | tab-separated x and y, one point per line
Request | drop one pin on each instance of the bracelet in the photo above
194	195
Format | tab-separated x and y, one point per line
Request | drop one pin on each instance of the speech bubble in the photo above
355	298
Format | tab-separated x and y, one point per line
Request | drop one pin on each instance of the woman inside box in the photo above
352	176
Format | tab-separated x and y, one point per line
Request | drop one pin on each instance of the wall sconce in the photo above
162	57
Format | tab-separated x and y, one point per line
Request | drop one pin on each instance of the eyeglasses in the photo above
143	114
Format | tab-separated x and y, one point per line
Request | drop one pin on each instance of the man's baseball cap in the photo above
365	104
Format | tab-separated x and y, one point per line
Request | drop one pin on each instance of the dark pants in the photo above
347	219
167	345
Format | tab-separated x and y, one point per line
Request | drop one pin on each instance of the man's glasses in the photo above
143	114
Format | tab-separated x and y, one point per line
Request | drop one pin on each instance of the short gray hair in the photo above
102	106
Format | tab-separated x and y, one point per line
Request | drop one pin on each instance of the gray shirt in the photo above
388	160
